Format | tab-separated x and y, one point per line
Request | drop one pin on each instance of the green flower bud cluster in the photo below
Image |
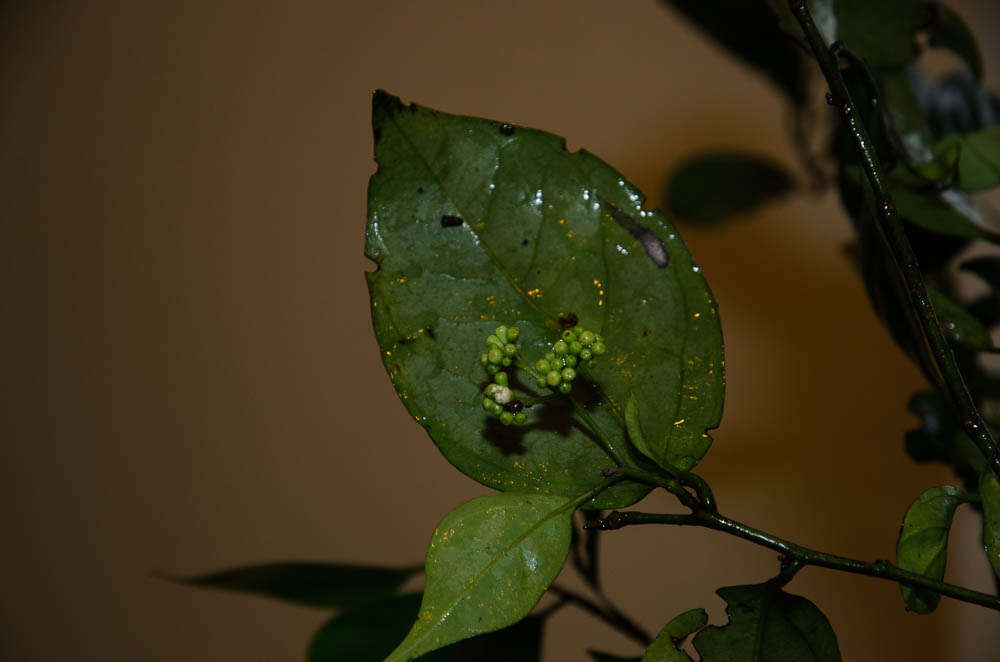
558	369
500	349
498	398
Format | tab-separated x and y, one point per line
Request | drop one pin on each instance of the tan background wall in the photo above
194	382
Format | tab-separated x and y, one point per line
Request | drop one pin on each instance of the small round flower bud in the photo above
493	341
586	354
553	378
567	335
541	382
568	374
506	418
541	365
492	368
565	388
495	355
500	394
505	362
497	409
598	348
575	347
520	418
509	349
500	378
587	338
484	359
571	361
512	333
501	333
550	357
488	404
560	348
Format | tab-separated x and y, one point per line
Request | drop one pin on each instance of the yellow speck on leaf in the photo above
679	422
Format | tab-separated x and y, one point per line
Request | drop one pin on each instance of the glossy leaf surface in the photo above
315	584
979	160
665	647
475	223
370	633
712	187
768	625
923	542
489	562
989	491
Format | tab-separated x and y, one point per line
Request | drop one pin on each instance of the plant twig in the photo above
799	554
891	228
612	616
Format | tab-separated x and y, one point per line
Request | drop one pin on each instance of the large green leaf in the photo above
768	625
370	633
979	160
489	562
712	187
989	490
665	647
475	223
923	542
316	584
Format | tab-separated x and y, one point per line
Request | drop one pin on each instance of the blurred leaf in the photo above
489	562
943	170
370	633
923	542
822	14
711	187
956	104
880	32
903	106
544	236
979	158
950	32
601	656
940	438
749	31
665	647
987	308
935	212
989	490
958	324
769	625
314	584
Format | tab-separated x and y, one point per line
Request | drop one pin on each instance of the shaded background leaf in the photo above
337	585
768	625
665	647
369	634
712	187
989	491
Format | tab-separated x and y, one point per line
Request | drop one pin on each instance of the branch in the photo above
612	616
799	554
891	228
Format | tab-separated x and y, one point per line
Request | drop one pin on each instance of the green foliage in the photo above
665	647
712	187
989	491
489	562
768	625
923	542
546	236
369	634
979	158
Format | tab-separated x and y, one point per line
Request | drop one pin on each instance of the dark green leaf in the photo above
979	160
635	429
665	647
768	625
958	324
370	633
315	584
923	542
881	32
711	187
904	110
944	213
950	32
601	656
489	562
987	308
544	236
749	31
940	438
989	490
822	14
